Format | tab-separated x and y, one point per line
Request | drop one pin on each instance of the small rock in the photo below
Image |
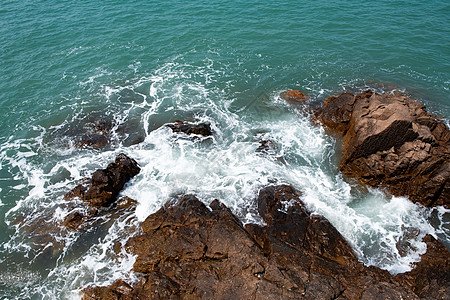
294	96
203	129
102	189
266	146
73	221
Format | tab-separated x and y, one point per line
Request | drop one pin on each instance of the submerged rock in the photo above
394	142
266	147
203	129
294	96
190	251
97	134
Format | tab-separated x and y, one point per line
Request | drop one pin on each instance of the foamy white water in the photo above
384	231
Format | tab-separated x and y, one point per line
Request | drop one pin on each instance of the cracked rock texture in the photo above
392	141
190	251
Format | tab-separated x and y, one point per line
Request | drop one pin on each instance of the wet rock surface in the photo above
97	134
106	184
430	279
266	147
294	96
102	189
190	251
392	141
203	129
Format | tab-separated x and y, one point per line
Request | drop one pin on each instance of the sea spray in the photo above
384	231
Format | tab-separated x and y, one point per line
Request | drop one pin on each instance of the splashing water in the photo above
41	167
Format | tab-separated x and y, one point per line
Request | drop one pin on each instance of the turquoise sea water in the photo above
140	64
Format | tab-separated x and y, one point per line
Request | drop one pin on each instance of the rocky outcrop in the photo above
294	96
101	190
203	129
392	141
106	184
430	279
190	251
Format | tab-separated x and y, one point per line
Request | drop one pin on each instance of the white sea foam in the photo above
384	231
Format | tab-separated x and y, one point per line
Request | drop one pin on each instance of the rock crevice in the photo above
392	141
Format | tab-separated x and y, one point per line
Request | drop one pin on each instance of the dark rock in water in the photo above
125	202
203	129
266	146
102	190
74	220
106	184
95	141
294	96
97	134
190	251
394	142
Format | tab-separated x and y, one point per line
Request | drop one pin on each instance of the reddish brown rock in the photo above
394	142
190	251
266	147
102	190
203	129
430	279
106	184
294	96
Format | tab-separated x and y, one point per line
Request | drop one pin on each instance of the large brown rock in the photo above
394	142
190	251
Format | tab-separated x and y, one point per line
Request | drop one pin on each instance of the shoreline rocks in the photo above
393	142
102	189
188	250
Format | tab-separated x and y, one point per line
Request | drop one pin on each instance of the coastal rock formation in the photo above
392	141
190	251
106	184
266	147
430	279
294	96
101	190
203	129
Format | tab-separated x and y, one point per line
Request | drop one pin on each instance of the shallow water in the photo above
140	65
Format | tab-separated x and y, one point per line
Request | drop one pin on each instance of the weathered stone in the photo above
102	190
73	221
430	279
190	251
97	134
203	129
106	184
294	96
392	141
